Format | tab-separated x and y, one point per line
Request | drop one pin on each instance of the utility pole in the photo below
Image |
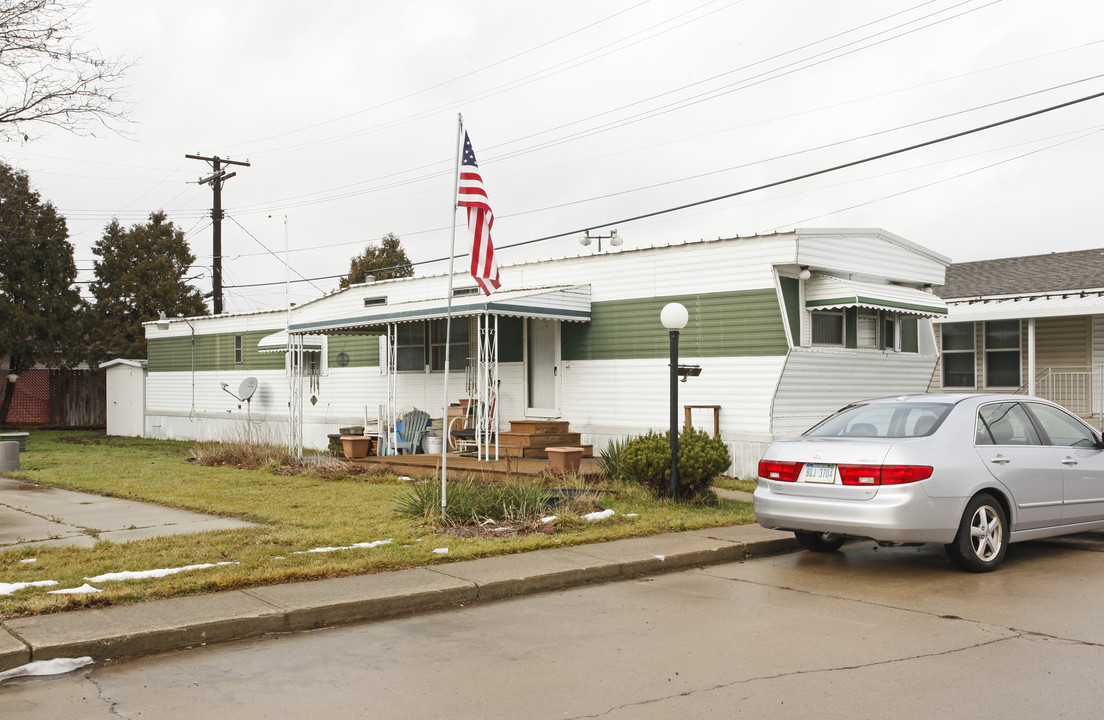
215	180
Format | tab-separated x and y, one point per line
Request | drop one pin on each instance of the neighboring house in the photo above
1032	324
786	327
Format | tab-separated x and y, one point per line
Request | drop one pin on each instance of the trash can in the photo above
9	455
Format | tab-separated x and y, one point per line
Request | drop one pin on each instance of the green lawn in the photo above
297	513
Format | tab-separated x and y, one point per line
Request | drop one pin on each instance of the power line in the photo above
765	186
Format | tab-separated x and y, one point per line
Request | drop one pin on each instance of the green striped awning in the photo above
825	292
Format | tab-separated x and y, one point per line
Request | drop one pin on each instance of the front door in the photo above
542	368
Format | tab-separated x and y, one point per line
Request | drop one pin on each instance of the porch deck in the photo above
461	466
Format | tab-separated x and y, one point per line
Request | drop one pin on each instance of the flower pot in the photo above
356	446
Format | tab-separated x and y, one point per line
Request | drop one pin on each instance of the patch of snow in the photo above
661	558
357	546
406	478
630	515
488	521
548	519
85	589
441	551
600	515
9	588
144	574
56	666
29	560
500	529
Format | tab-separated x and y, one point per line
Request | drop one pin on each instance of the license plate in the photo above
818	473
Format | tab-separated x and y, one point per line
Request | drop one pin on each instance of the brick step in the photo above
543	440
540	427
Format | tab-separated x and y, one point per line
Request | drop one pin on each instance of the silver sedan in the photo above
974	472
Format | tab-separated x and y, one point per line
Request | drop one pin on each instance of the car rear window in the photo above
888	420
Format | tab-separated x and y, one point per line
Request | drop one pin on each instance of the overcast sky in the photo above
582	115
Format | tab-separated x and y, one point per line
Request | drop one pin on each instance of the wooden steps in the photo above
529	438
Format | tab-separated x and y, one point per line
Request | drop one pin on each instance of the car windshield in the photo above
888	420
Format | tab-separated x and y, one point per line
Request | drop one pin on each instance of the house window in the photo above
422	344
1002	353
866	329
312	363
889	332
238	350
410	347
828	327
458	340
958	355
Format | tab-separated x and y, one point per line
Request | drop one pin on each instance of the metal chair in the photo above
464	439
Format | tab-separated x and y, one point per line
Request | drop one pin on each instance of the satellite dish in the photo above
247	388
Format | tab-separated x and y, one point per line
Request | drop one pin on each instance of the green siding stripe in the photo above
363	350
212	352
744	323
791	296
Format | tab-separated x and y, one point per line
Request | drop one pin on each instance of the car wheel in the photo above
982	538
819	541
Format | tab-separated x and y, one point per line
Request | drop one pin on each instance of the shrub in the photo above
610	461
470	503
647	460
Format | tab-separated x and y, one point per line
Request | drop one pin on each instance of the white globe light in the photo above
674	316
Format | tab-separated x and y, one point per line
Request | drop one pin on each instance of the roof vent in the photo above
461	292
370	301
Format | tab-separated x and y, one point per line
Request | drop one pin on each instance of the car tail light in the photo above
883	474
775	470
902	474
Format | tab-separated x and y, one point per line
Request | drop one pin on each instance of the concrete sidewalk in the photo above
32	515
163	625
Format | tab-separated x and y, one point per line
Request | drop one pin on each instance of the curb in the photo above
178	623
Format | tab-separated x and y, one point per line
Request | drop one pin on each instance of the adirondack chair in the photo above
414	425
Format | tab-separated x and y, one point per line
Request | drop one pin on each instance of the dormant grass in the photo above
297	509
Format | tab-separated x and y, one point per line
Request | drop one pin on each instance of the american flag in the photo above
480	220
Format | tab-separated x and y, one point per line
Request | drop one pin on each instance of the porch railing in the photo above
1080	389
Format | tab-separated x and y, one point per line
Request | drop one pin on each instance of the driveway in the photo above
33	515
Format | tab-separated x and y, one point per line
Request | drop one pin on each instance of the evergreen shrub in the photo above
647	460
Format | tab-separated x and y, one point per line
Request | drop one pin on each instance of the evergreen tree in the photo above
387	261
139	273
39	304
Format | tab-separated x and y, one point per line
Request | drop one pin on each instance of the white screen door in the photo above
542	360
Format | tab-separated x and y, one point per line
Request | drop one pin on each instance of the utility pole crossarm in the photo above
215	180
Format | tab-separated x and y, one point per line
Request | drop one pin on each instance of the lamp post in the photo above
674	317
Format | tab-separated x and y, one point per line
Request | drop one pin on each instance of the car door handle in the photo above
1069	461
999	460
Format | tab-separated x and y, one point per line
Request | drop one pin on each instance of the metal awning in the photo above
1031	306
825	292
277	343
570	303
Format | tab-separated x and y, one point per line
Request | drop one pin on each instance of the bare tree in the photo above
48	75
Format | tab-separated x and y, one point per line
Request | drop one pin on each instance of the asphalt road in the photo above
864	633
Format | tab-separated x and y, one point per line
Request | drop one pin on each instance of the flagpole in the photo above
448	320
